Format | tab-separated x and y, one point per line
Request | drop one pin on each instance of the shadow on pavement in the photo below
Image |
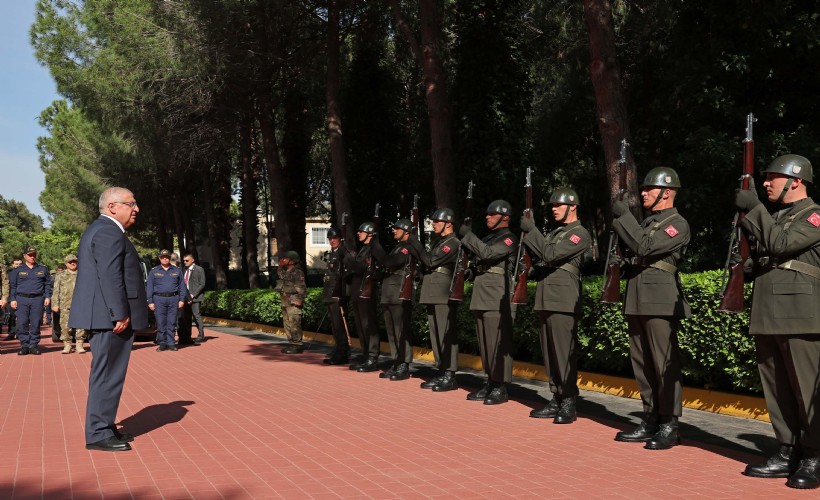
155	416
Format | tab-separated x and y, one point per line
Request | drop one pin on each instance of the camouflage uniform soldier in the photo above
4	290
291	285
61	303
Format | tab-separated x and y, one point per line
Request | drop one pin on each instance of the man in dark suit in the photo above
195	282
109	302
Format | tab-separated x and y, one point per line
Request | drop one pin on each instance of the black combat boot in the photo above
667	437
807	476
549	411
645	430
293	349
497	395
339	358
782	464
566	413
371	365
389	372
480	394
448	382
432	382
402	372
357	363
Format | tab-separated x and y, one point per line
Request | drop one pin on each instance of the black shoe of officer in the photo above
642	433
34	350
293	349
338	358
389	372
667	437
357	363
172	347
447	383
480	394
433	382
807	476
11	336
549	411
162	347
497	395
782	464
370	365
23	351
401	373
566	413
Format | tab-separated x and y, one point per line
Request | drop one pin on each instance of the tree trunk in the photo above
249	206
296	152
179	229
211	223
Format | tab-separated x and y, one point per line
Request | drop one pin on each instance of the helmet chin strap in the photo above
566	214
658	199
786	188
497	223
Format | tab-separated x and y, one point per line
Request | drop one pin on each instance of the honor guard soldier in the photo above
29	293
784	319
359	266
654	305
292	289
442	314
396	311
166	296
61	304
334	295
558	303
495	257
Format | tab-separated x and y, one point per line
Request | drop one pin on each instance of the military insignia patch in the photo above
671	231
507	241
445	249
814	219
575	239
404	251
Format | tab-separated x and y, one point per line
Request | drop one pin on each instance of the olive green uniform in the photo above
558	300
335	304
291	286
654	305
61	297
365	315
397	312
785	319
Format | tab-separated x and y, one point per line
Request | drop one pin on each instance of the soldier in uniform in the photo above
61	304
12	316
166	294
491	305
358	265
442	314
784	319
397	312
334	295
30	292
654	305
4	292
291	287
558	300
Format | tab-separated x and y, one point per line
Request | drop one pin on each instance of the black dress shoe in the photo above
642	433
23	351
34	350
497	395
370	365
172	347
389	372
480	394
548	411
336	359
784	463
447	382
566	413
401	373
162	347
199	340
108	444
125	437
666	437
429	384
807	476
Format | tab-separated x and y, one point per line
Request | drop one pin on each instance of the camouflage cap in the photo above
29	250
70	258
164	253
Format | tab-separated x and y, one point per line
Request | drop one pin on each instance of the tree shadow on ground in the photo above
155	416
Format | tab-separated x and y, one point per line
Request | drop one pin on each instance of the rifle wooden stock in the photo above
462	259
407	288
611	292
339	286
524	262
732	300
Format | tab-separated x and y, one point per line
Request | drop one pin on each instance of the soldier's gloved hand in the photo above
734	259
619	209
527	224
468	274
746	199
464	230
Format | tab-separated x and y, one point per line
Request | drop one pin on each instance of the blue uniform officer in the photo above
166	294
30	291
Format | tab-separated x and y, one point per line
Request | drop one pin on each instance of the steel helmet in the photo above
662	177
793	166
290	254
404	224
443	214
499	207
565	196
367	227
333	232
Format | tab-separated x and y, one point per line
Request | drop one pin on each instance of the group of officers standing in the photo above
785	323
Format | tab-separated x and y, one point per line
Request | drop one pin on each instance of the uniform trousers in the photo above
292	321
66	332
110	353
559	346
29	320
337	325
165	310
443	322
397	323
367	328
494	330
789	368
653	347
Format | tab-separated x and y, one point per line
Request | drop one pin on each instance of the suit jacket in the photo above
110	285
196	283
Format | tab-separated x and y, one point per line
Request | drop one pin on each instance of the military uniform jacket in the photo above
357	264
332	275
31	281
439	264
561	254
64	290
785	301
661	238
495	263
169	280
291	286
394	265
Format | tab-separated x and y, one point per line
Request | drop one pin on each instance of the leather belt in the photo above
792	265
166	294
30	295
492	270
443	270
662	265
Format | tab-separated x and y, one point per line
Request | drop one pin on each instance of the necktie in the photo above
187	275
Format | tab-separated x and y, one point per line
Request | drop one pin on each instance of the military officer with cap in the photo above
61	305
784	319
4	291
396	311
292	289
495	257
654	305
29	292
334	295
358	265
558	302
166	294
442	313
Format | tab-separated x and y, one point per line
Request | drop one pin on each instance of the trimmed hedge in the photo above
717	351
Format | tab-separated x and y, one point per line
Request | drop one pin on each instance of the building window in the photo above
318	236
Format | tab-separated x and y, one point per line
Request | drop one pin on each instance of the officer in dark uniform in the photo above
491	304
654	305
396	311
442	313
784	318
166	294
30	292
558	303
358	265
334	284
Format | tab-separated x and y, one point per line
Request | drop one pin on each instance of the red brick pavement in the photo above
234	418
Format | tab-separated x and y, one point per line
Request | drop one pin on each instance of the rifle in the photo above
339	287
462	259
731	300
523	262
407	286
366	289
611	293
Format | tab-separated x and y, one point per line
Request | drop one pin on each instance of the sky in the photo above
26	89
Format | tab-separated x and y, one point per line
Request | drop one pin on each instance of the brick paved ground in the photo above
234	419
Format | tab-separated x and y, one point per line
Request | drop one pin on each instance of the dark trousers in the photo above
559	346
789	367
367	328
653	347
494	332
397	322
443	322
110	353
165	310
29	320
337	325
190	315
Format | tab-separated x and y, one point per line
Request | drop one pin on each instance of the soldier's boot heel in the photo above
566	413
667	437
644	432
447	382
808	475
80	346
